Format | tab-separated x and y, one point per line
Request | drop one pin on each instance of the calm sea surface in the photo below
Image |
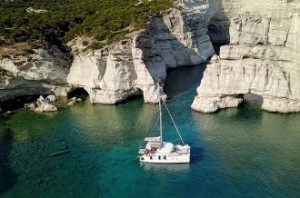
91	150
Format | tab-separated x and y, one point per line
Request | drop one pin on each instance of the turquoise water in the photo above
90	151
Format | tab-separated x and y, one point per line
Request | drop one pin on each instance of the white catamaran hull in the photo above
166	153
167	160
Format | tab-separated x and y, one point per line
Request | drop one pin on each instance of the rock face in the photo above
108	75
39	72
177	37
133	67
262	58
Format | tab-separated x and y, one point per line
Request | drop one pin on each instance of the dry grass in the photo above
16	49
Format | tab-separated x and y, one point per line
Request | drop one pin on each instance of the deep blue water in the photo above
240	152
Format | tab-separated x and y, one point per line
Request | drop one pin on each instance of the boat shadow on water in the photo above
166	167
196	154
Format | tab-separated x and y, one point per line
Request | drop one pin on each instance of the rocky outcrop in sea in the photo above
43	104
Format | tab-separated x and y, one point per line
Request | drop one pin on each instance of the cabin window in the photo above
165	157
151	157
159	157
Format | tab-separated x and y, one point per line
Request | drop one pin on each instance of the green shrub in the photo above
95	46
66	19
85	43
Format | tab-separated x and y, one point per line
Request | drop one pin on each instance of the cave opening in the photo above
218	30
138	95
183	79
216	40
78	92
250	98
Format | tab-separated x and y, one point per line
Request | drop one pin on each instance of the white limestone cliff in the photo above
262	58
133	67
108	75
39	72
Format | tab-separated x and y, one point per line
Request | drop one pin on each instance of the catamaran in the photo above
155	150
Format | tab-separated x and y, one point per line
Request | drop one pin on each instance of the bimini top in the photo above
153	139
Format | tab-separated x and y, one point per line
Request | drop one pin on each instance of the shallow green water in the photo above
235	153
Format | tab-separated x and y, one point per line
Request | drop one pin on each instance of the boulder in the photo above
45	107
71	103
43	104
7	113
51	98
73	99
30	106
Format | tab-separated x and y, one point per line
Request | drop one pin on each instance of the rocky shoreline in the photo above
260	58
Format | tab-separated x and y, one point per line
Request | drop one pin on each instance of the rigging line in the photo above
175	140
173	122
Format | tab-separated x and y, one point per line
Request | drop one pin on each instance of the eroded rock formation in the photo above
175	38
39	72
262	58
108	75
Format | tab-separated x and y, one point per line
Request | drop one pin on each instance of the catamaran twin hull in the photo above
169	160
166	154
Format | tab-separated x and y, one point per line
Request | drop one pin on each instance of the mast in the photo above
160	114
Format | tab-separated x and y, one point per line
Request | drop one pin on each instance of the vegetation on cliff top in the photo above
63	20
